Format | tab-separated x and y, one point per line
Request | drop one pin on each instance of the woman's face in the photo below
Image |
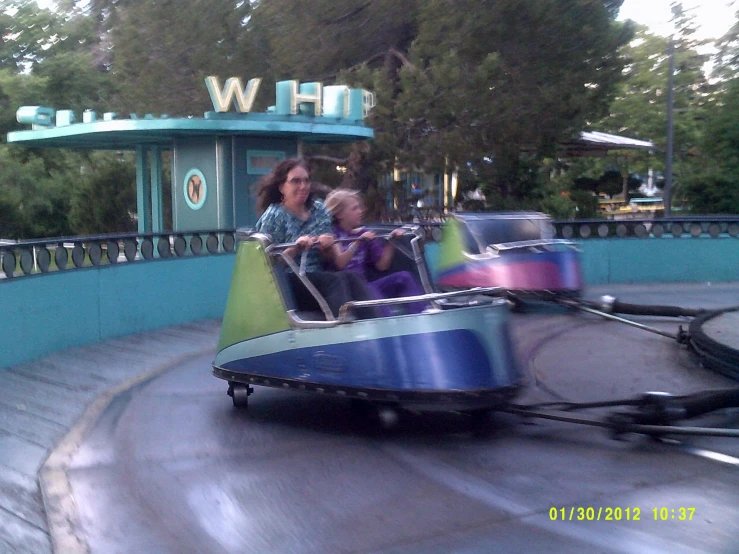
296	188
352	214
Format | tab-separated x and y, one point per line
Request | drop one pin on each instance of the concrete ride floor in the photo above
170	466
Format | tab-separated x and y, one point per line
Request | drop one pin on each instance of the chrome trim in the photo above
311	288
421	266
416	255
531	244
482	216
432	399
250	235
433	298
296	321
414	229
265	241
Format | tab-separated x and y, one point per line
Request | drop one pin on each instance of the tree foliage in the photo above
26	32
51	66
35	201
111	177
162	52
332	36
713	184
492	79
486	87
640	107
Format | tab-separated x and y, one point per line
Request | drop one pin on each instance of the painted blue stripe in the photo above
445	360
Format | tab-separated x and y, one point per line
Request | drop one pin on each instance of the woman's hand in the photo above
305	242
395	233
367	236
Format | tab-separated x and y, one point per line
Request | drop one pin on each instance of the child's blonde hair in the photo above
337	199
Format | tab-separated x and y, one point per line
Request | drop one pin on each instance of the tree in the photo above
52	68
17	90
75	79
35	201
712	192
162	52
329	36
727	58
712	184
26	33
640	107
361	43
490	79
108	176
707	164
456	82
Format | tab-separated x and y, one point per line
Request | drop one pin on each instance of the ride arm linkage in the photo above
606	313
652	413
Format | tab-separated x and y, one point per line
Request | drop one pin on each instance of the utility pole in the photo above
670	128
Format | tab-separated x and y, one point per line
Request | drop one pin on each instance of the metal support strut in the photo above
681	336
653	413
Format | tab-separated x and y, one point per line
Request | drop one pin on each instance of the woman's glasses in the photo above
299	181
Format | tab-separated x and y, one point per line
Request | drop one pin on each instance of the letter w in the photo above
233	92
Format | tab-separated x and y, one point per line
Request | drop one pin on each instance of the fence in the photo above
63	292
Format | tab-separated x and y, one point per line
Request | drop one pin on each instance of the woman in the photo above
290	214
365	252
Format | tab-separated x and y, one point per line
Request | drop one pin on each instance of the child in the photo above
347	212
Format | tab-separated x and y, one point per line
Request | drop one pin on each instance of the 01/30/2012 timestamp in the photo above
602	513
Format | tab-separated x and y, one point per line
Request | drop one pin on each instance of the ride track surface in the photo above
171	466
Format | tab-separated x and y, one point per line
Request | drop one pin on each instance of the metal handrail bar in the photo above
118	248
328	314
433	297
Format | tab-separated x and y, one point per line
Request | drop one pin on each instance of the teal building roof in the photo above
123	134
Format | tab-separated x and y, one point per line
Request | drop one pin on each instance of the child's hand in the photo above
325	241
367	236
399	232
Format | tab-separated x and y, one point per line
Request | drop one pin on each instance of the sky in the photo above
713	17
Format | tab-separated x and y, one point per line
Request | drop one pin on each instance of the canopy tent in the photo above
595	143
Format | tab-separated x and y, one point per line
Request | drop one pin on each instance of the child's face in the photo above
352	214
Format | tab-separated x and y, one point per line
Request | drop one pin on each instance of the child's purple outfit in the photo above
395	285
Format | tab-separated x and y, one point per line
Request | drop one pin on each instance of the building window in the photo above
261	162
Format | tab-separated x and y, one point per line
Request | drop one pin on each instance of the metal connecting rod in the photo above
574	304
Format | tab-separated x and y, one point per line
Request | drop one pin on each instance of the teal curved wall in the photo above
663	260
49	312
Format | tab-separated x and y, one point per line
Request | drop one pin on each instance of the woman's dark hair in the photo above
268	188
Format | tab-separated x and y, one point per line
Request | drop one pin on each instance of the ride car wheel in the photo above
240	395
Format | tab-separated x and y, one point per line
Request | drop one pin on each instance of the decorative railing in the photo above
673	227
33	257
